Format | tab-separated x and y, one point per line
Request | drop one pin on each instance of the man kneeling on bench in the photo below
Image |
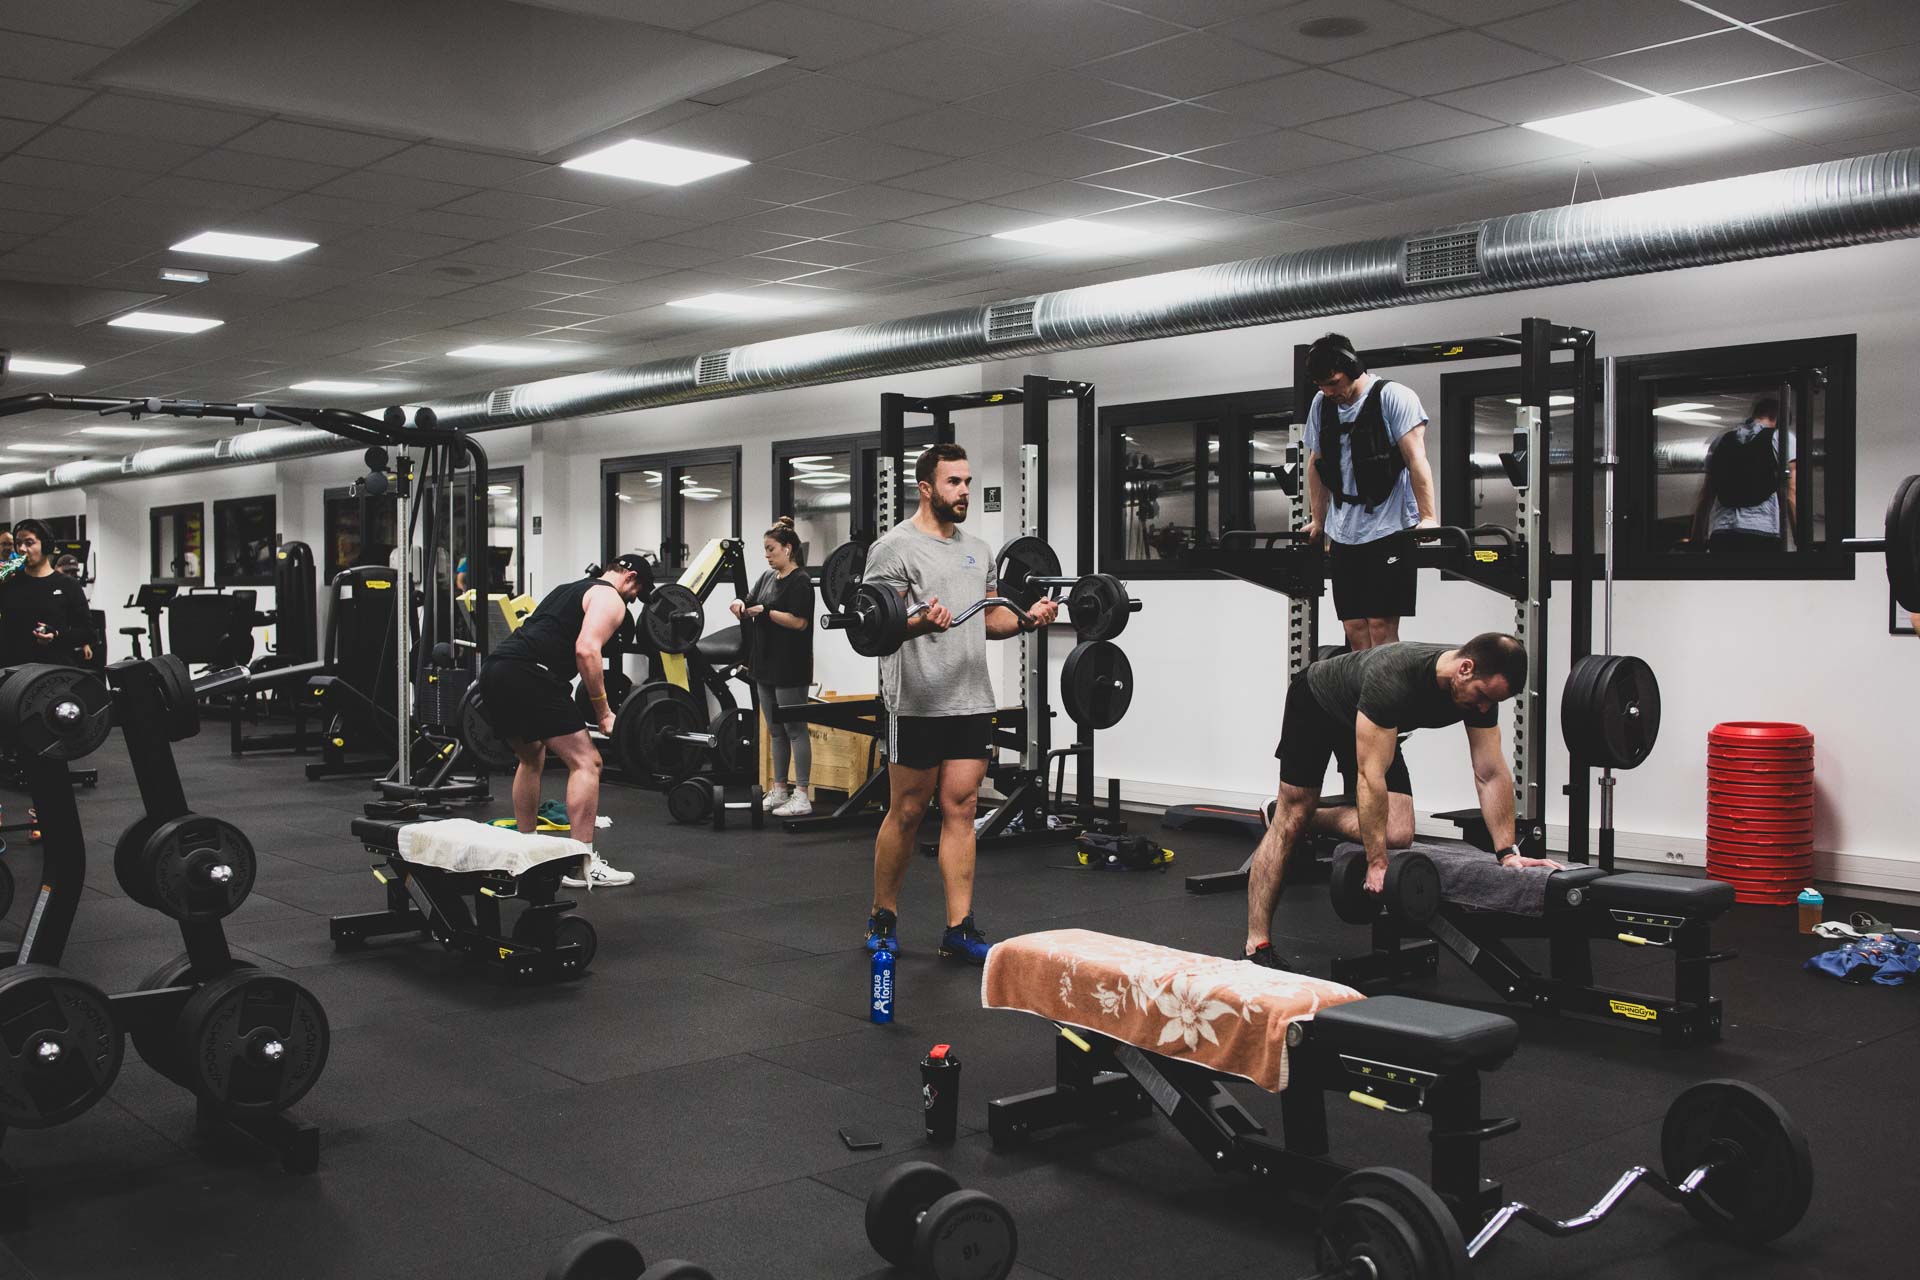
1351	708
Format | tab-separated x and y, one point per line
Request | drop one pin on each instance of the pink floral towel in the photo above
1225	1014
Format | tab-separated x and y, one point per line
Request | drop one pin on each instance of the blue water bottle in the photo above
882	989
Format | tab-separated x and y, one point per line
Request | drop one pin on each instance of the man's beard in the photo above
949	515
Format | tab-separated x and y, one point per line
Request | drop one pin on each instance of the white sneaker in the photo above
601	875
798	807
775	798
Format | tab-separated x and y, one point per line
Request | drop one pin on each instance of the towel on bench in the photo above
1472	877
461	844
1226	1015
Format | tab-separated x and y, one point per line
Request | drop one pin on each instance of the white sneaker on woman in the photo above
798	807
775	798
600	875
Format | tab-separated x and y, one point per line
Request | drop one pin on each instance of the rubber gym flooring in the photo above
689	1090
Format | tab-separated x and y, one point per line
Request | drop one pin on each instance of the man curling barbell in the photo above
1351	708
524	690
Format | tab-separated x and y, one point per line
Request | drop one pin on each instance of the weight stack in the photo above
1760	809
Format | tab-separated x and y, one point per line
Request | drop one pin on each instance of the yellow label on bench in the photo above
1627	1009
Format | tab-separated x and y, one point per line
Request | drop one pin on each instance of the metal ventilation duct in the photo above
1822	206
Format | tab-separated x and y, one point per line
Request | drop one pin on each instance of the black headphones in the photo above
1344	360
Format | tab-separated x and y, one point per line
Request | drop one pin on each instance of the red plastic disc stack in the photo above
1760	809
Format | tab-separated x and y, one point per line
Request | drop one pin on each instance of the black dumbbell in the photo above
1411	895
920	1220
601	1255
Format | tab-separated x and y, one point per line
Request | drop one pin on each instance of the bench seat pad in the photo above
1675	895
463	845
1226	1015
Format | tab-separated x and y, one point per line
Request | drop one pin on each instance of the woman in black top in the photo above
778	616
43	614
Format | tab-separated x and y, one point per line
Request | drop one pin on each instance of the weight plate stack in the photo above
1760	809
1099	607
251	1043
1610	711
1020	560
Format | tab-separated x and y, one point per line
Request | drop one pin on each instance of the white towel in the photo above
461	844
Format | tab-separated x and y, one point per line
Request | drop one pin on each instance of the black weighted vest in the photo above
1745	474
1377	462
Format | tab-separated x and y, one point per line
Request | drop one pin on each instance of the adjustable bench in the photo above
1482	907
1145	1027
448	878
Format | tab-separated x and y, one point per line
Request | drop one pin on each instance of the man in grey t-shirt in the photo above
939	700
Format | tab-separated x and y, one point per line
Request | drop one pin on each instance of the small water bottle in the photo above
940	1093
882	987
1812	908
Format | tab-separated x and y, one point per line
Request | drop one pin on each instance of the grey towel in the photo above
1470	877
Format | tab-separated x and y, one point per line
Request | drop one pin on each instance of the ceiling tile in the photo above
781	183
101	22
1066	32
30	171
1695	64
1279	31
824	253
734	238
961	179
533	210
811	37
972	219
942	68
309	142
458	225
46	199
1307	95
824	102
334	209
1493	149
1189	65
391	188
1561	91
676	15
955	132
1180	127
908	15
696	205
1070	199
879	203
1596	28
627	225
25	100
745	135
1802	90
153	118
1898	68
410	244
194	194
461	168
1277	153
1441	63
1404	124
1204	13
1852	29
1069	155
800	220
142	155
861	159
1474	12
255	170
1194	222
505	255
38	58
1370	175
1836	123
1171	177
907	235
1264	195
1066	100
18	222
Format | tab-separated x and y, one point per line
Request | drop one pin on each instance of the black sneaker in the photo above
1267	958
964	942
880	930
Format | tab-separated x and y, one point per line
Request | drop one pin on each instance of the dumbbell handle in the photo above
696	738
1864	544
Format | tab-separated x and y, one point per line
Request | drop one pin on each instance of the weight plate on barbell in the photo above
1610	711
617	685
735	740
1903	544
62	713
688	801
647	744
181	707
1765	1183
876	620
1441	1241
1096	684
1099	607
841	573
196	868
1367	1232
61	1049
1022	559
674	619
484	742
252	1043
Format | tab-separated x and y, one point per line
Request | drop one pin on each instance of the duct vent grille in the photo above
1454	256
1011	321
500	403
714	367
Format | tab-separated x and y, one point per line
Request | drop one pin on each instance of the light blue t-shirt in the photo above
1762	517
1351	523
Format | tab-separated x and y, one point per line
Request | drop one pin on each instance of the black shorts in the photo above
1309	737
921	742
527	702
1374	579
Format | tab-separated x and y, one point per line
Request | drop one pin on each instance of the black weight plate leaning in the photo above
6	889
896	1202
735	741
674	619
1903	544
1765	1182
156	1045
1347	887
60	1048
1096	684
251	1043
718	795
1420	1205
1019	560
966	1235
568	930
485	743
1098	607
598	1255
648	743
841	573
1365	1228
197	868
687	801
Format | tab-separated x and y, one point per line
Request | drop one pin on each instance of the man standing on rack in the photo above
938	697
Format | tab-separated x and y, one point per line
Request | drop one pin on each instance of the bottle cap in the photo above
942	1053
1811	896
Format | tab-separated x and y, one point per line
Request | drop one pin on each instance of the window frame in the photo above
176	511
223	505
1836	355
355	493
1233	411
857	445
672	519
454	508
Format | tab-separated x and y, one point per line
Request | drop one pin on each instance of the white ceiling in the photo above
894	139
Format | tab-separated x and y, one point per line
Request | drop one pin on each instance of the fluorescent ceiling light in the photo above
811	462
125	432
1684	409
226	244
651	475
162	322
739	304
1553	401
827	482
46	448
1640	120
624	497
337	388
500	488
652	162
53	368
510	354
1070	233
181	275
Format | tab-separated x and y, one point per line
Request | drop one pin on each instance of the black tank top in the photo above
552	629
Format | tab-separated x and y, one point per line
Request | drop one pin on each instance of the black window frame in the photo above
1836	357
355	493
221	578
177	511
1232	411
453	507
673	523
864	450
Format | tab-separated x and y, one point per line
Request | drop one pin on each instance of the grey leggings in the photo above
789	740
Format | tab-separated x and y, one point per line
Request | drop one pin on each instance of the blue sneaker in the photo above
964	942
880	930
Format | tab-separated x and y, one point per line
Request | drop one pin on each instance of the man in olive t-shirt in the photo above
1351	708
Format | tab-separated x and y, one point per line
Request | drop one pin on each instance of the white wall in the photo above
1209	656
